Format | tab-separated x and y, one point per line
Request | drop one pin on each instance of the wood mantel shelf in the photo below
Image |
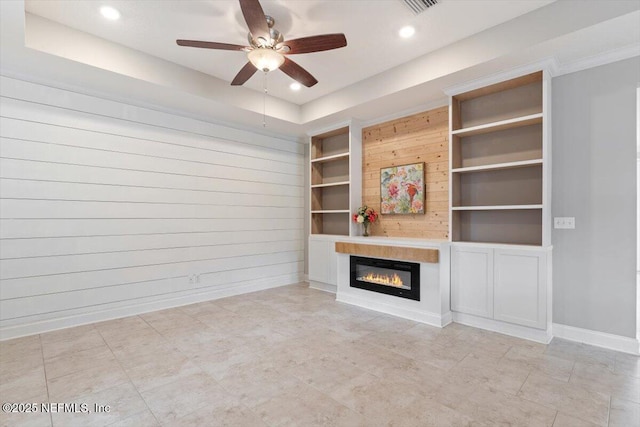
393	252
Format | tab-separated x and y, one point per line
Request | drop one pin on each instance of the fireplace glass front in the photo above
389	277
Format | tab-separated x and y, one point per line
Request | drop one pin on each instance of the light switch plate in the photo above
564	222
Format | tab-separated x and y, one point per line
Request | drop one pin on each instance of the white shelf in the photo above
331	211
501	125
331	184
330	158
334	183
498	166
495	208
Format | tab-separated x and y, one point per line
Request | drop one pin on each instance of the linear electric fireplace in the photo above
398	278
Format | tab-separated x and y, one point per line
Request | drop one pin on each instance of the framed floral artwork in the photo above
402	189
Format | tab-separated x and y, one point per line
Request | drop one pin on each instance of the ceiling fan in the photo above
267	47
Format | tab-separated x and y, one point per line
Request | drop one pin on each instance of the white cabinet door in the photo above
520	287
332	264
318	260
472	281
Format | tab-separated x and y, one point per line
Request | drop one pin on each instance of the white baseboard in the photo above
598	339
447	318
538	335
323	286
48	325
432	319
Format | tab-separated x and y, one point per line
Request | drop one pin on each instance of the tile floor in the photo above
292	356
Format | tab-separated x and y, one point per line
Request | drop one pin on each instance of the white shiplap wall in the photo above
106	209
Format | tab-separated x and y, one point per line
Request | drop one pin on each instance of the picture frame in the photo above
402	190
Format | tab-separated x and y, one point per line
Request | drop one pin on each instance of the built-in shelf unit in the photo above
498	163
335	163
332	179
500	204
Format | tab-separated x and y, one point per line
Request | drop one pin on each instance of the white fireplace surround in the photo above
433	307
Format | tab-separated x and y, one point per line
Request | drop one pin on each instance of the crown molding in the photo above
548	65
408	112
332	127
605	58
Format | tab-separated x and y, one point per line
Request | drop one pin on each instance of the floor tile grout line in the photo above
129	378
218	383
524	382
46	381
68	352
243	404
353	336
67	355
539	403
573	368
333	399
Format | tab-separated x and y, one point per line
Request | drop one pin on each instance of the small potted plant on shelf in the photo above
365	216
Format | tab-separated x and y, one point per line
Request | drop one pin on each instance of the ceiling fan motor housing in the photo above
267	50
275	35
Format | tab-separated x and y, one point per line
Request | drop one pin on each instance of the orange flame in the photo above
384	279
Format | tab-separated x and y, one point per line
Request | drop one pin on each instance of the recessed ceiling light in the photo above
407	31
295	86
110	13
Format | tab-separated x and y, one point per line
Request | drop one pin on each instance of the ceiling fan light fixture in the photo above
265	59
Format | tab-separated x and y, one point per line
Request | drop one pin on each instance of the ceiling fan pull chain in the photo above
264	101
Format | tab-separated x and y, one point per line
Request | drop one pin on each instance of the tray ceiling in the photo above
68	43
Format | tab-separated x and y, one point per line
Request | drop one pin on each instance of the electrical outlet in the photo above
564	222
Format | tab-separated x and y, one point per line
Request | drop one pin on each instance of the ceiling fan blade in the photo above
297	73
209	45
316	43
255	18
245	74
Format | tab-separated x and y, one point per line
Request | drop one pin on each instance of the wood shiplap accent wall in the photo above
422	137
105	206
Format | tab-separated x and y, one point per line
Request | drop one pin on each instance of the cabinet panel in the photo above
332	264
318	259
323	261
472	281
520	288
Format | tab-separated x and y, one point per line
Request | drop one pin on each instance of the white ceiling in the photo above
135	60
371	28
